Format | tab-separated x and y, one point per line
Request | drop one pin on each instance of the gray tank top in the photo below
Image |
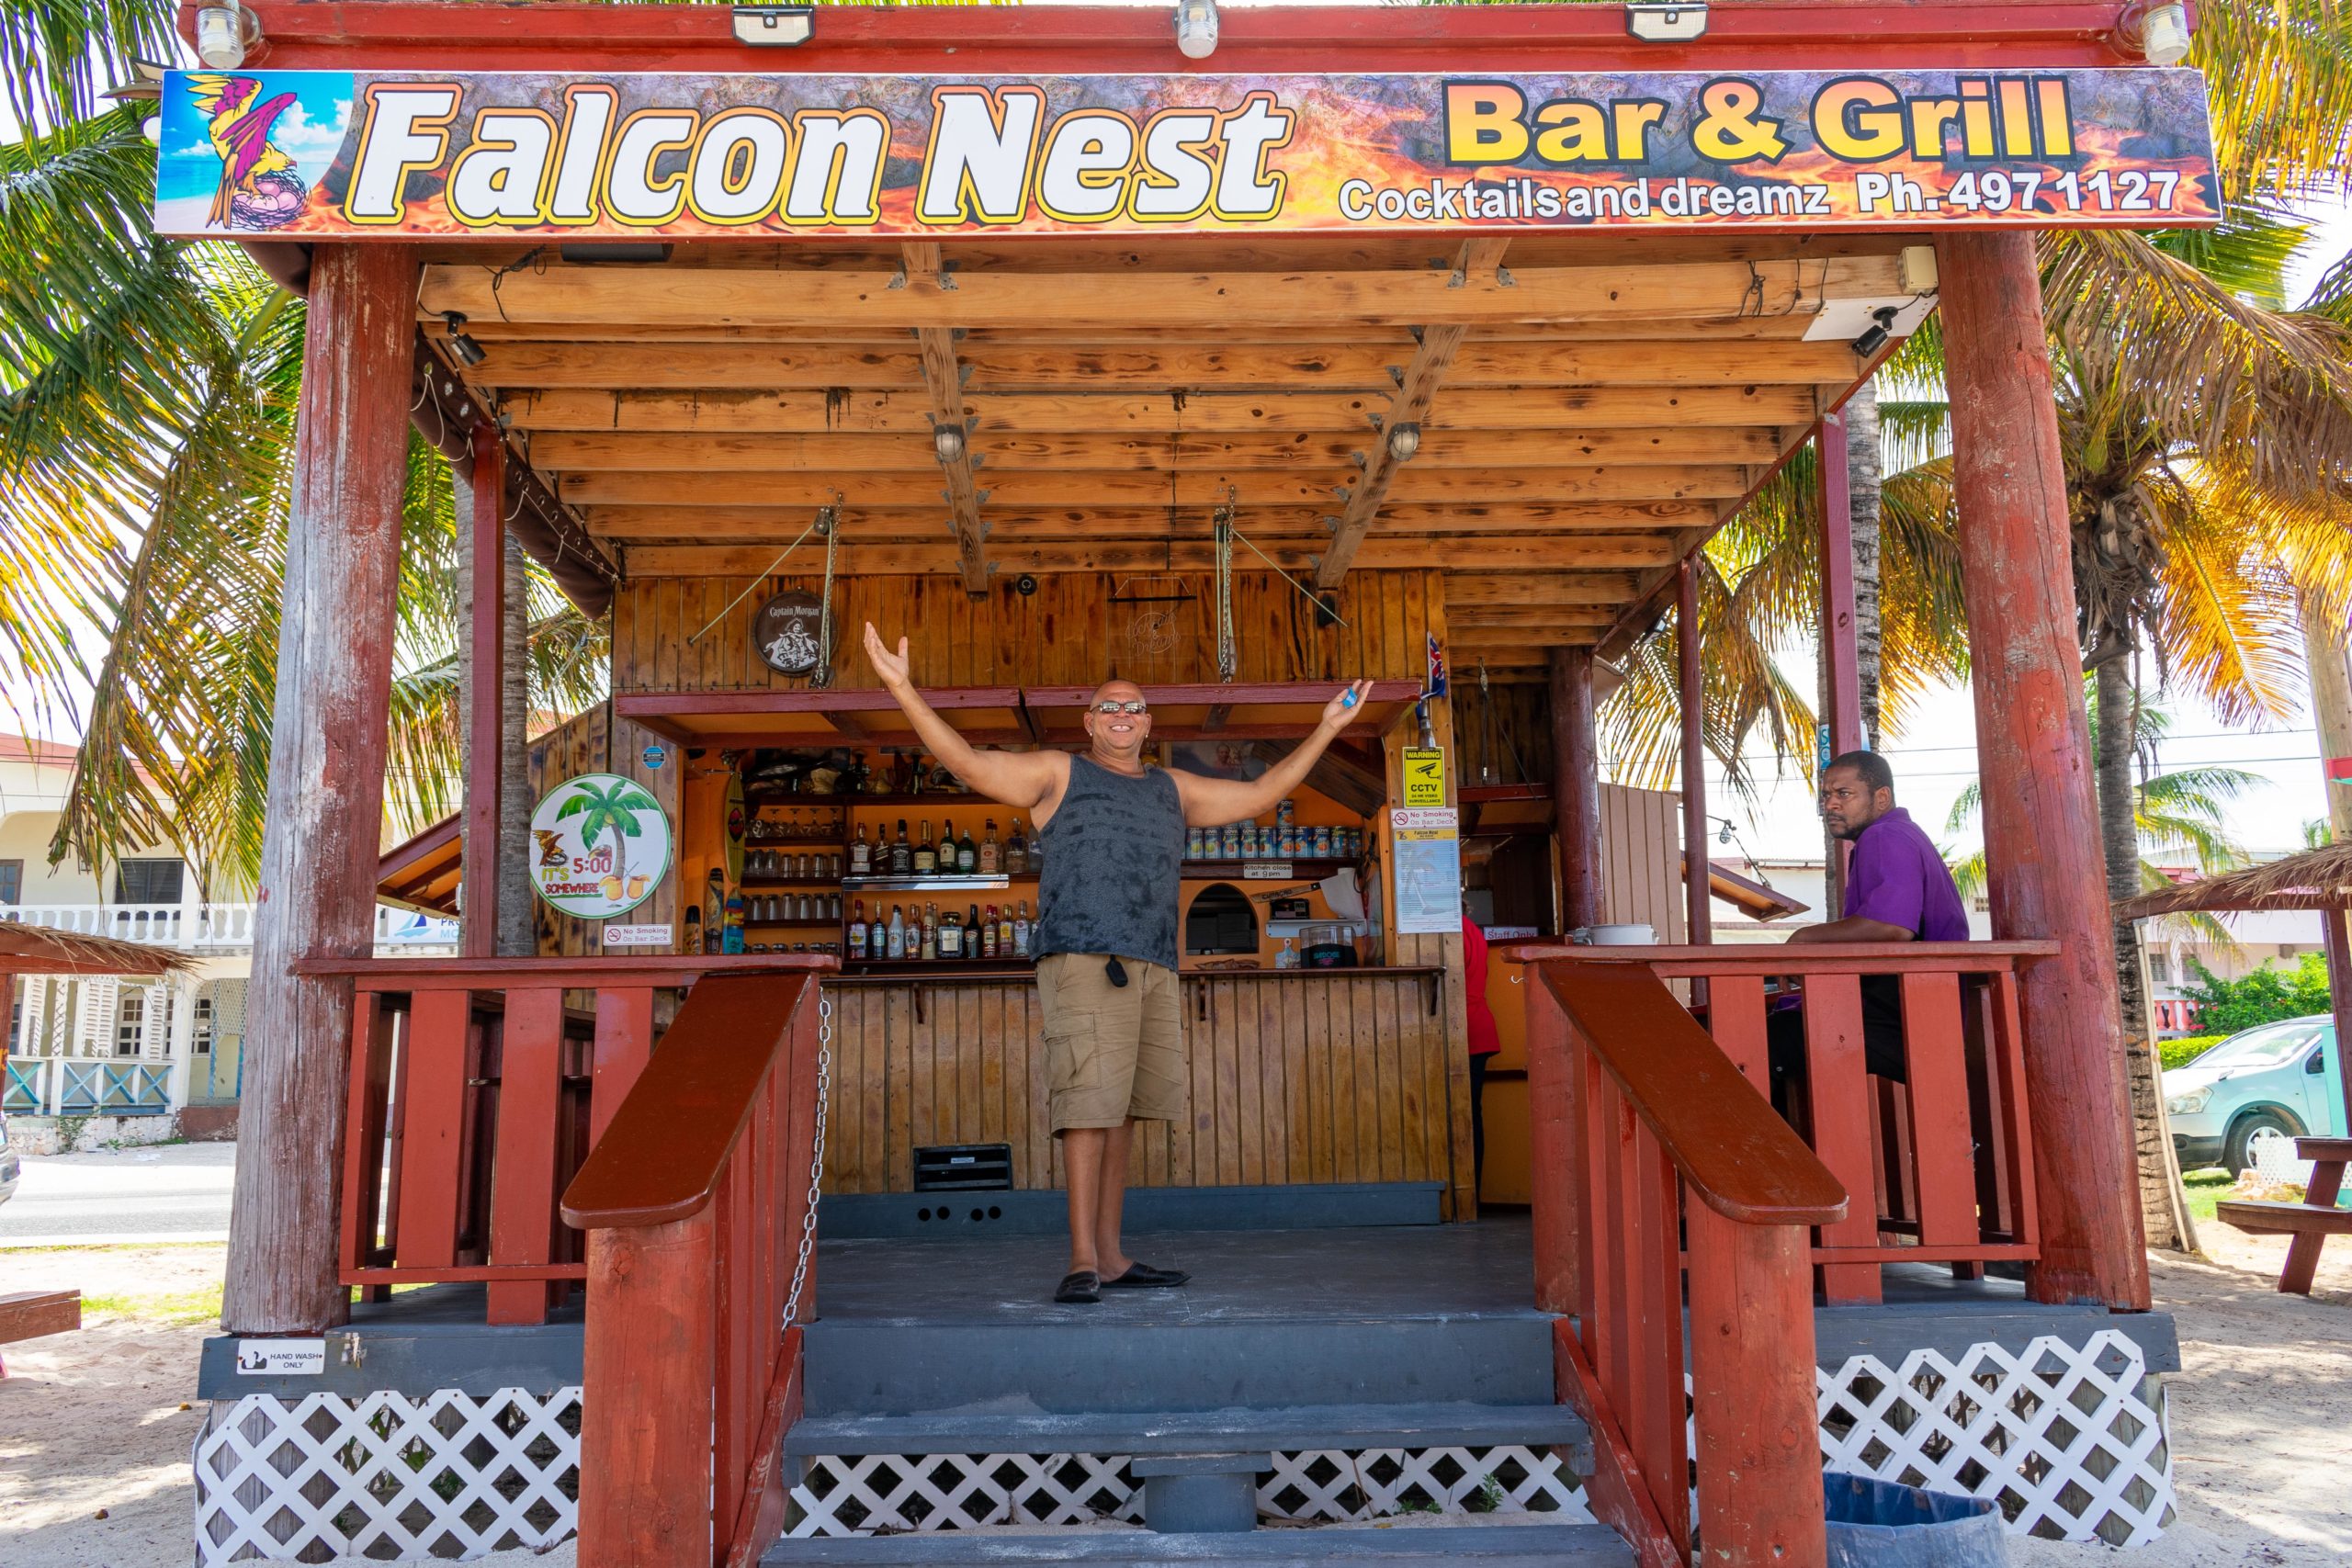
1114	850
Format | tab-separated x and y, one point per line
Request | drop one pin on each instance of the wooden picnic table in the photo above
2311	1222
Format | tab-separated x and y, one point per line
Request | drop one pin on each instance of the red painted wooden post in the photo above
1697	900
432	1090
1759	1430
522	1193
2339	1002
479	876
1575	788
623	1038
2041	832
649	1365
1735	1020
317	888
1839	1087
1842	706
363	1129
1552	1179
1653	1407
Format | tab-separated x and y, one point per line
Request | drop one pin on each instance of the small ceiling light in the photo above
1404	440
1723	837
224	33
1882	327
2163	34
775	26
1654	23
1196	29
464	344
947	440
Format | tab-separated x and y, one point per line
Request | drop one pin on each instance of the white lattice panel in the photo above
447	1475
863	1493
2070	1450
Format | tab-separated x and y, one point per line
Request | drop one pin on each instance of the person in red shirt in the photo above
1485	1040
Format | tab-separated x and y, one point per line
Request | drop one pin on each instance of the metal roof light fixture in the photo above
1655	23
224	34
463	344
775	26
1196	29
1404	440
947	440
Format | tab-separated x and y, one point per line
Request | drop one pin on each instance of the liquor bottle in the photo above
988	933
967	855
925	853
877	936
857	929
1016	851
861	854
1037	852
930	949
1020	931
991	853
948	865
902	861
692	942
714	911
894	946
951	937
1004	931
972	930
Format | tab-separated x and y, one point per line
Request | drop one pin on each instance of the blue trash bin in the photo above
1885	1524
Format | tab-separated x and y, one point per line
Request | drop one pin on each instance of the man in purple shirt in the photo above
1898	889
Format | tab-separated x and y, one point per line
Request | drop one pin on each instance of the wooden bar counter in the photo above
1297	1076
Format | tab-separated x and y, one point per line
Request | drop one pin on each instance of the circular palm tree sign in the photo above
603	843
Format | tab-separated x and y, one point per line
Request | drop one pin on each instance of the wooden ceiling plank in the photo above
677	524
1197	490
1505	552
944	378
605	452
1214	300
1327	369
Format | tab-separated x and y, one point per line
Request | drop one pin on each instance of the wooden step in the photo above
1485	1546
1289	1429
2283	1219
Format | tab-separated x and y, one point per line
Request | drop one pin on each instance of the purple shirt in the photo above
1896	876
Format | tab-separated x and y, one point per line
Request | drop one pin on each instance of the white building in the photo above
122	1046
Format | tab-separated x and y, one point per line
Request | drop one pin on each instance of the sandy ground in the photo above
2261	1420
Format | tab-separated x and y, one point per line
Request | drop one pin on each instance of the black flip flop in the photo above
1081	1289
1144	1277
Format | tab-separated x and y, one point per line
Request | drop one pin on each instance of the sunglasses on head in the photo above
1138	705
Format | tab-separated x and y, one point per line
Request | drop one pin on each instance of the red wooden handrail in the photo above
697	1202
665	1150
1798	959
1734	1152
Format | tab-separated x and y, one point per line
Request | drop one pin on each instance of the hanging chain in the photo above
1229	653
829	520
816	1160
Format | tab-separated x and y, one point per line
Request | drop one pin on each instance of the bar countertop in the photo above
937	972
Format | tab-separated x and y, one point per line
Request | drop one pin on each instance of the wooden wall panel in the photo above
1304	1078
1076	629
1505	730
1641	832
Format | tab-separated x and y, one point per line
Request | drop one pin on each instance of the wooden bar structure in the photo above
1237	463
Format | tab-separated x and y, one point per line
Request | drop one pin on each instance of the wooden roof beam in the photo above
1503	552
1416	394
1472	293
944	378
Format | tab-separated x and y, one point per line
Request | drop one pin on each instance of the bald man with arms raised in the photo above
1105	943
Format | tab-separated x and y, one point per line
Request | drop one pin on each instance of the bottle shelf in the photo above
936	882
1302	869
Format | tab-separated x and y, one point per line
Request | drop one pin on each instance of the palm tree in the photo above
147	397
611	812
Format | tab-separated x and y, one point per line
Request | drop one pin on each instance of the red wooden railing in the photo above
696	1203
476	1089
1637	1109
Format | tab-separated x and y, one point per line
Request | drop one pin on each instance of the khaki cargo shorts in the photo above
1112	1052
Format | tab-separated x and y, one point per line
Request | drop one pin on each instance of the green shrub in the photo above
2266	996
2188	1048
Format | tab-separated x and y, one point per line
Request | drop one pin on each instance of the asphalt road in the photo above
179	1192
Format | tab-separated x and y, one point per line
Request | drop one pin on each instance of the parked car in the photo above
2279	1081
9	1166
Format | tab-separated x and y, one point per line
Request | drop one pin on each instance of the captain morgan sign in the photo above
603	845
401	156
